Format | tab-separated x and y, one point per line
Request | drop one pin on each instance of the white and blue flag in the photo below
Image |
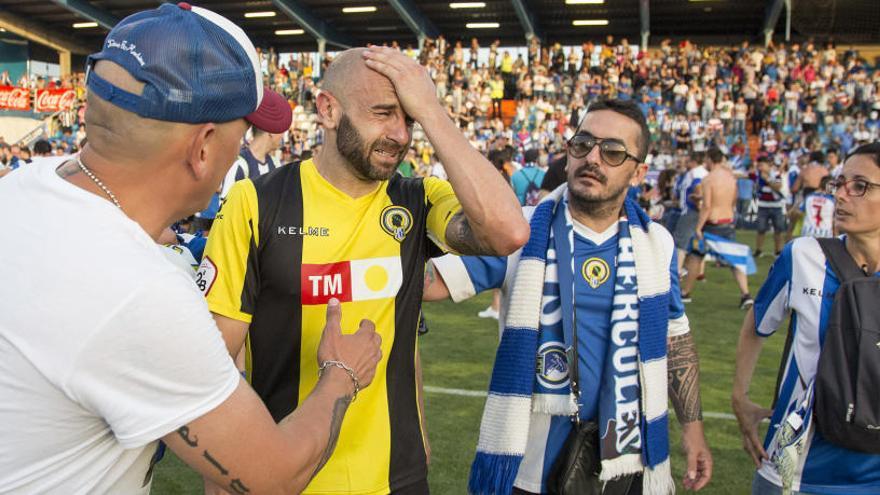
729	252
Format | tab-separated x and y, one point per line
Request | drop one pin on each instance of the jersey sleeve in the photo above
155	364
443	205
466	276
228	271
235	174
772	303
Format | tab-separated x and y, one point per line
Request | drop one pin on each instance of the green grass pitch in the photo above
459	350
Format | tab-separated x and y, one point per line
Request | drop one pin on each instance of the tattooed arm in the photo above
464	240
238	446
683	372
435	286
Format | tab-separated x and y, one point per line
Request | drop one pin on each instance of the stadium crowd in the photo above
782	102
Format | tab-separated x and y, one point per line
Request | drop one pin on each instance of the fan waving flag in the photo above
729	252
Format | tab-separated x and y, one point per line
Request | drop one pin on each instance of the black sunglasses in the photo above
612	151
854	188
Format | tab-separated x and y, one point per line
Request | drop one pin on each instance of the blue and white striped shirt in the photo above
803	282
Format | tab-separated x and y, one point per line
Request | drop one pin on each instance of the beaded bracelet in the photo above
340	364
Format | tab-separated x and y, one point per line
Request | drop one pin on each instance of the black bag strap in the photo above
841	261
573	362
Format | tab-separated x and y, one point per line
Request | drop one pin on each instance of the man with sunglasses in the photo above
590	230
802	285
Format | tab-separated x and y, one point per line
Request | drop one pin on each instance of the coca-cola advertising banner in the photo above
12	98
54	100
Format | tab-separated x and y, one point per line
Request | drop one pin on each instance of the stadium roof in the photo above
708	21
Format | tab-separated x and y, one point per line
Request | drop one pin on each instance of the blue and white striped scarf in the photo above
514	391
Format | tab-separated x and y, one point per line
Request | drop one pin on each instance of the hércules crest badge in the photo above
396	221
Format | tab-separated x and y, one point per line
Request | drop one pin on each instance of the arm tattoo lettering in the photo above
462	239
183	431
236	485
216	463
339	408
683	372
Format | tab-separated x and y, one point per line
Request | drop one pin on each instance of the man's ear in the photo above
204	137
639	174
328	108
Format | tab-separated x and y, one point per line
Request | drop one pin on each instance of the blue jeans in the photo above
762	486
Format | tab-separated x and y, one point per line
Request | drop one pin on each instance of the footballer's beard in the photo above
351	145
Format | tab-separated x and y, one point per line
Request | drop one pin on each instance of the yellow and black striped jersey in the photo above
285	243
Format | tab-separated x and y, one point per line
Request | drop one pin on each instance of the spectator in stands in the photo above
42	148
15	160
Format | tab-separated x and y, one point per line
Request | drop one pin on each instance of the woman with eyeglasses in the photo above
802	283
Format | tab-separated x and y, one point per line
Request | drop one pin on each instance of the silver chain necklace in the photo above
98	182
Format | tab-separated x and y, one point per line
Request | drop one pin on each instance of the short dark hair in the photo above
715	154
42	147
870	149
630	109
256	132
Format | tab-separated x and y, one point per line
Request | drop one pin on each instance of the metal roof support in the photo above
314	26
38	33
527	19
787	20
771	17
88	11
414	19
645	17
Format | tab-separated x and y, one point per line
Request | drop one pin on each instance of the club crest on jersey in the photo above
552	365
396	221
595	271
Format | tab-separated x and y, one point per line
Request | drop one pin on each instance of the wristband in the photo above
341	365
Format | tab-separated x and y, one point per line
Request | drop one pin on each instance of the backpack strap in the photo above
841	261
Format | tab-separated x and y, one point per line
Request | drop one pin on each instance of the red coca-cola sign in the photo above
54	100
12	98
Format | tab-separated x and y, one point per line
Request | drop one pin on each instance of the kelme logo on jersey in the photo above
396	221
355	280
595	271
552	367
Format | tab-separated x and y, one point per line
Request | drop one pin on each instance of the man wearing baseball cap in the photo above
105	346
